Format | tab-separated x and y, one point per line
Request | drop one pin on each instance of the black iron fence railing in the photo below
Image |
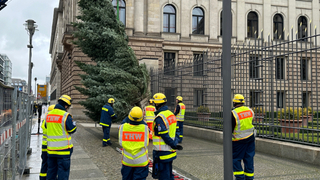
278	78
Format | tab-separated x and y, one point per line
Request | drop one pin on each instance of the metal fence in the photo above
14	131
278	78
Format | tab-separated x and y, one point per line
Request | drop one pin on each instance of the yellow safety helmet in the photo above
67	99
150	101
51	107
159	98
238	98
110	100
179	98
136	114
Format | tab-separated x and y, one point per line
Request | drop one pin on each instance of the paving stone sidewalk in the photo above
199	159
82	167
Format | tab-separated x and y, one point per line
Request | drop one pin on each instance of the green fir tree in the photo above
116	72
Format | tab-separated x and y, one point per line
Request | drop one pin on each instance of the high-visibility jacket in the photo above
180	116
57	136
244	128
135	140
149	116
107	114
170	122
44	133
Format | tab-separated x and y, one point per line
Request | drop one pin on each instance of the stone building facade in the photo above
165	32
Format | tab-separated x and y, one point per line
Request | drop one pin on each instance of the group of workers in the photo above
160	125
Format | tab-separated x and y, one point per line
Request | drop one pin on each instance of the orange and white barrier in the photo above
8	132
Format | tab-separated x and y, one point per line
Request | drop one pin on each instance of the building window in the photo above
198	97
280	67
122	10
169	63
278	27
302	28
197	21
221	24
305	64
170	94
254	67
252	24
198	64
254	98
305	99
280	99
169	19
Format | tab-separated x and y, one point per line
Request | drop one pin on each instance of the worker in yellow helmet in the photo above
179	113
134	138
60	126
148	114
164	139
243	140
107	115
44	154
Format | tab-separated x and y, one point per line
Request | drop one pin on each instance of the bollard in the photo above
5	163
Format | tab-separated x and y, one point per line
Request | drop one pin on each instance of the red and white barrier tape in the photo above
177	176
8	132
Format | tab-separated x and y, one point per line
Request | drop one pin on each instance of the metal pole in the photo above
226	57
5	163
31	28
15	103
118	10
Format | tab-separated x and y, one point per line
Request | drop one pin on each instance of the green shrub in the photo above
307	111
258	109
290	113
203	109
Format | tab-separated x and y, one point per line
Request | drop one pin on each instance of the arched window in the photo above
122	10
252	24
197	21
221	24
278	27
169	19
302	28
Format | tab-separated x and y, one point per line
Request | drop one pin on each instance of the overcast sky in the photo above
14	38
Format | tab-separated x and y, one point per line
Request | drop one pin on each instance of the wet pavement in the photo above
199	159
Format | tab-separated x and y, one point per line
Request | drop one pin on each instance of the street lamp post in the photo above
31	28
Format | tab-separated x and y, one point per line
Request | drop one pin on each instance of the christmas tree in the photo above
116	72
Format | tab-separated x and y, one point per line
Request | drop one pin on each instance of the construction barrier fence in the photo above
14	132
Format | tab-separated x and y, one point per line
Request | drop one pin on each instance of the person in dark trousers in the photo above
243	140
164	139
149	116
60	126
39	116
107	115
134	138
179	113
44	154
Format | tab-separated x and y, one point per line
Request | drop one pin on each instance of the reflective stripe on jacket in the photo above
149	116
180	116
107	114
170	122
57	136
44	133
244	127
135	140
